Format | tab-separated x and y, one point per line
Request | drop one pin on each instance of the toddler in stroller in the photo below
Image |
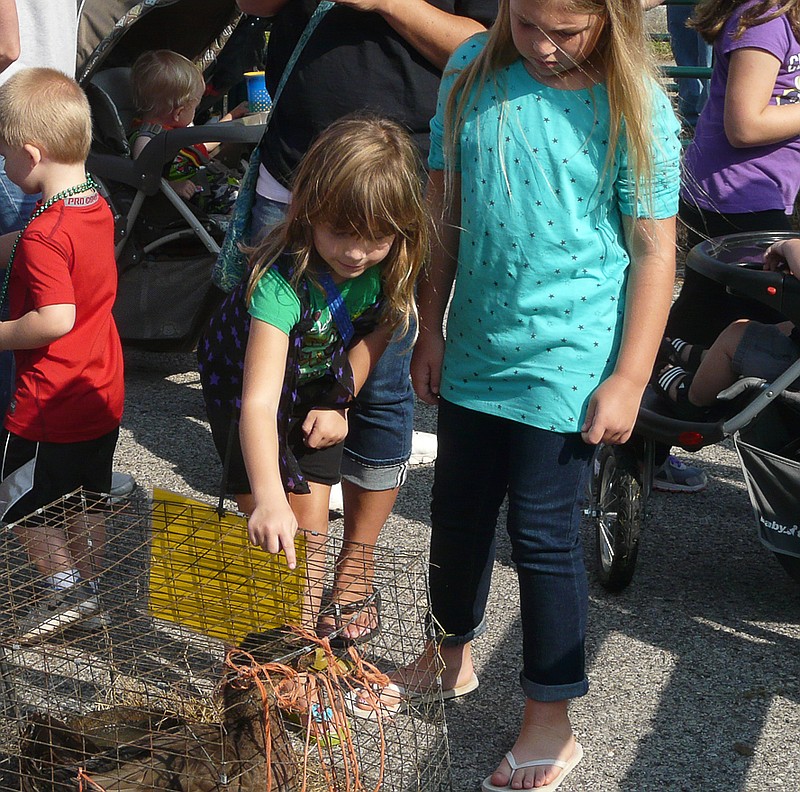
165	247
745	348
761	415
167	89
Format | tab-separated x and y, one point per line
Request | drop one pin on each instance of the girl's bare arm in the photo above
272	525
326	427
750	120
615	404
433	291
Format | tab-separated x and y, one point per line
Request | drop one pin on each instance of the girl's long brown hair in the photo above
629	77
361	175
710	16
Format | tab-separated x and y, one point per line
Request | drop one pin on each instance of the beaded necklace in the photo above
89	184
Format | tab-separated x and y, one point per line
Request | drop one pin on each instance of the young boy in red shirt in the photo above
61	428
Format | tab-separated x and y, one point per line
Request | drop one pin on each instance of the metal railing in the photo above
678	72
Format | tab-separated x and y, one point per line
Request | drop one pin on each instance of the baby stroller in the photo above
165	248
762	418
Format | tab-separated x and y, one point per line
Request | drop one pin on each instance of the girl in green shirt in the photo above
288	350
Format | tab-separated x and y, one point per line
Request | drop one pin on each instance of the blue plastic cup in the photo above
258	99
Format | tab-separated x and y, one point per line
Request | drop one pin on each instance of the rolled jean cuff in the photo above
458	640
375	478
537	692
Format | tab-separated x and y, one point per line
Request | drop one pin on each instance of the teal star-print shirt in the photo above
535	322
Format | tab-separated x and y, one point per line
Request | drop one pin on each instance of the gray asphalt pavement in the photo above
694	669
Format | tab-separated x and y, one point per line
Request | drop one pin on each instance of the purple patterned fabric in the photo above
220	356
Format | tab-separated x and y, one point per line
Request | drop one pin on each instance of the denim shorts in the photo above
765	352
381	421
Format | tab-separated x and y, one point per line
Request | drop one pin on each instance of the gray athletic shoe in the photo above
57	610
122	484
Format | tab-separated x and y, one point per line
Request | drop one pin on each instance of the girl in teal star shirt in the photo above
554	181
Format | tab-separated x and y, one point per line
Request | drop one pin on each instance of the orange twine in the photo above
83	778
298	692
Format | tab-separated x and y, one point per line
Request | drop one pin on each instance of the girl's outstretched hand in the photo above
274	529
324	428
612	411
426	366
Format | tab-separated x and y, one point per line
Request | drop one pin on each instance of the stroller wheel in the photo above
619	515
791	564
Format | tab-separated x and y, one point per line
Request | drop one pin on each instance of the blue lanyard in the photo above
339	312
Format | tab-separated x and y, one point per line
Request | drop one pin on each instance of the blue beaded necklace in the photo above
89	184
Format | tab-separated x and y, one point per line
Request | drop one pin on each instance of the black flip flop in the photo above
675	347
681	406
342	615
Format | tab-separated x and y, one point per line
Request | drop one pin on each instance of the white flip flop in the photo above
566	769
372	706
434	694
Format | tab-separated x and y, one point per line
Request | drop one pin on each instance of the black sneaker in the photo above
57	610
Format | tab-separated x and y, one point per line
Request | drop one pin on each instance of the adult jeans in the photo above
15	209
688	49
15	206
481	460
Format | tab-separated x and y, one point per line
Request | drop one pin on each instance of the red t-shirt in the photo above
72	389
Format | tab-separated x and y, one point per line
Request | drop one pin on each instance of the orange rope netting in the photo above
323	686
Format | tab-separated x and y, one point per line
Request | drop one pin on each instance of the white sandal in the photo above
566	769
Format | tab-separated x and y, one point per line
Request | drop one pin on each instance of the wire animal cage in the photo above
178	672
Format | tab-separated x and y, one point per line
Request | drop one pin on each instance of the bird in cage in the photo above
230	756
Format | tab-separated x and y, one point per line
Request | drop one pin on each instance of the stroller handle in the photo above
736	260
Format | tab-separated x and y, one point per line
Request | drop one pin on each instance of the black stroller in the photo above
165	248
762	418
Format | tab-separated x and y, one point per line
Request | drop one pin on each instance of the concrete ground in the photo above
693	669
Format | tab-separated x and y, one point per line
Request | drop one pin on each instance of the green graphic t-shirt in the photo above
276	303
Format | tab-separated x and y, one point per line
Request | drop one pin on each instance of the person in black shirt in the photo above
384	58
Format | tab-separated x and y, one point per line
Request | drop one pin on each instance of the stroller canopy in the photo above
115	32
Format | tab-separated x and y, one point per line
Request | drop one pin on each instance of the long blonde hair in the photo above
629	68
711	16
362	174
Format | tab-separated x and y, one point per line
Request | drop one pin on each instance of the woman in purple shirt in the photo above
742	170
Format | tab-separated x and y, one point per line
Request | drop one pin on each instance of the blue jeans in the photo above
15	209
482	459
264	216
381	422
688	49
15	206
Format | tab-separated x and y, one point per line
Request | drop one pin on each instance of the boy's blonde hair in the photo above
362	175
163	81
48	109
630	77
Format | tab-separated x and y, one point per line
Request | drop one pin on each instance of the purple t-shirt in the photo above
720	178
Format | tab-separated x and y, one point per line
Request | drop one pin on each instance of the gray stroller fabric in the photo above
769	450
